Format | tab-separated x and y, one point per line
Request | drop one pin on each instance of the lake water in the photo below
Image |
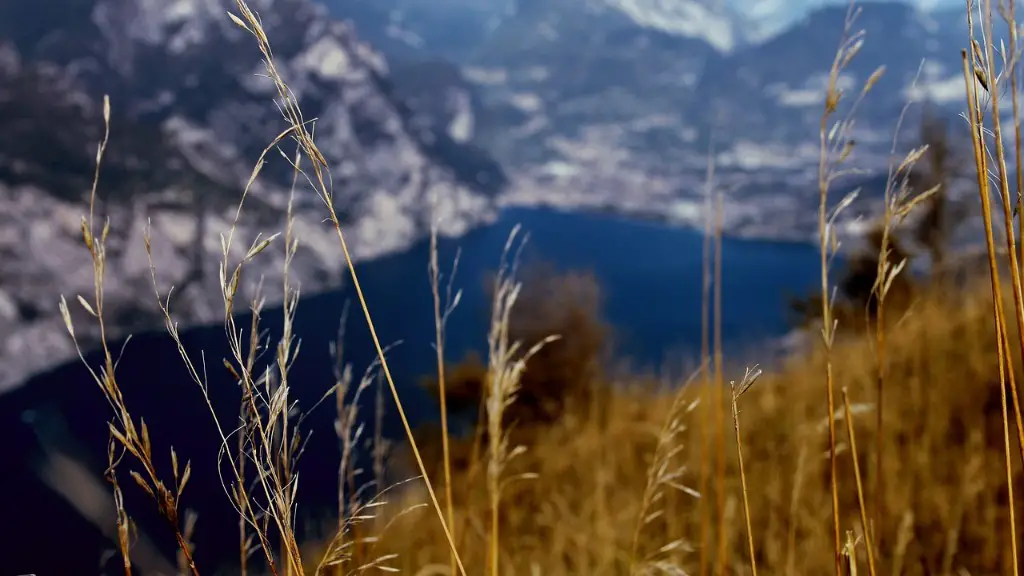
651	280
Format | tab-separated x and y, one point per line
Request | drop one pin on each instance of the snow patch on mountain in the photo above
712	22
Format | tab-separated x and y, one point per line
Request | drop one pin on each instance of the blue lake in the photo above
650	275
651	280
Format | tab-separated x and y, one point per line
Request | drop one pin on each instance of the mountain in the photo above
774	92
191	115
615	103
764	19
454	28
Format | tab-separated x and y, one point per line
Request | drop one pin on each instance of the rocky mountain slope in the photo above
615	103
191	115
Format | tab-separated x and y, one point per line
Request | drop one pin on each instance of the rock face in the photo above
191	115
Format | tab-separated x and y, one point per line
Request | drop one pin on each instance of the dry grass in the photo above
600	483
943	459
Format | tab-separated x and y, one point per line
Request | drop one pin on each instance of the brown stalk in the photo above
719	390
439	322
1004	344
868	544
826	315
736	393
705	460
123	522
884	273
1004	191
848	48
997	309
880	344
1014	94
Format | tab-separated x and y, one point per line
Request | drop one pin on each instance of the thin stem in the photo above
880	344
719	390
439	319
705	464
827	334
997	309
1004	191
743	482
868	543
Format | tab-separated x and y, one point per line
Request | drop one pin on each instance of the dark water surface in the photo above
650	276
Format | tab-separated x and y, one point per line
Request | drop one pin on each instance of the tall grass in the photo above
608	481
127	436
737	391
705	351
836	146
440	321
980	69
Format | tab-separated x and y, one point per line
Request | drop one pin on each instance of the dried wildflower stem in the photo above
240	495
1006	202
661	475
1011	21
1003	177
273	454
736	393
977	140
123	522
1014	63
1004	343
705	363
719	391
832	98
849	46
880	359
439	322
285	354
506	364
263	437
251	23
133	438
896	207
249	432
868	544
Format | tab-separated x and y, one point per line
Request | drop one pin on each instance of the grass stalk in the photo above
1010	16
896	207
748	380
251	23
1006	202
506	365
835	147
123	522
977	139
826	314
865	525
719	393
440	320
133	438
707	405
663	475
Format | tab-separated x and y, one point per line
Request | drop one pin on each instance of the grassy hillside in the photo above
943	500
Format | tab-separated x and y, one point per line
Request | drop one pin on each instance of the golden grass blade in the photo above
865	525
